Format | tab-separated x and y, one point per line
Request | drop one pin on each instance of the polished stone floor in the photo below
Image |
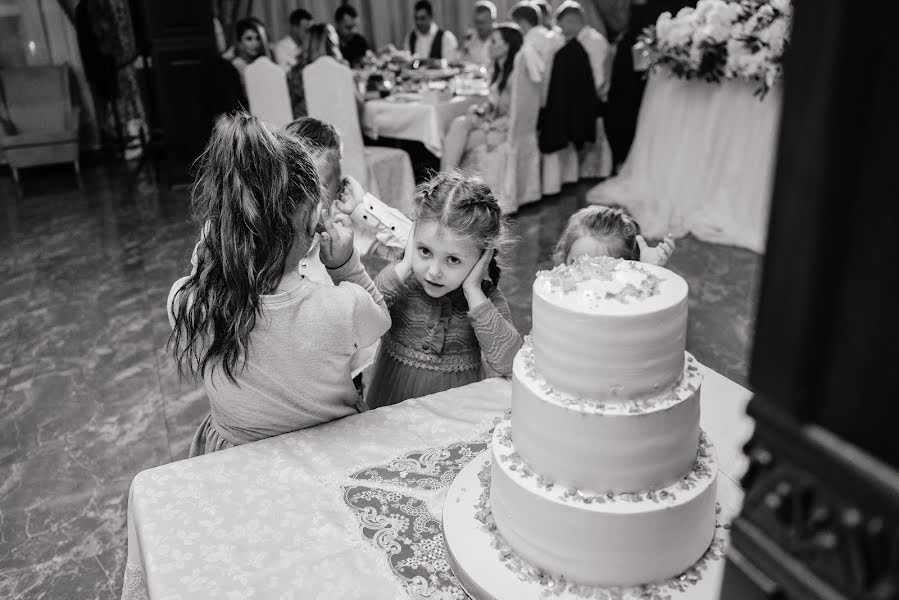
88	398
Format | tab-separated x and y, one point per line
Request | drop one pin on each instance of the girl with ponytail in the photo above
448	312
272	345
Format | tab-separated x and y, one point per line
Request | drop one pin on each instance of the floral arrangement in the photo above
723	39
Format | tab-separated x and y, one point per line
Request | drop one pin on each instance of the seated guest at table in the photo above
608	231
273	348
486	126
448	312
427	40
288	50
321	41
353	45
539	43
476	45
252	43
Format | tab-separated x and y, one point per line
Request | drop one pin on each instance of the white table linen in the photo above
702	162
416	121
328	512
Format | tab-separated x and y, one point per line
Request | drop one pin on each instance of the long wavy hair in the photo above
511	34
467	207
612	226
254	24
321	40
254	197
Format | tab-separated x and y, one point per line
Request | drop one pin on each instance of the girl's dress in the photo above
436	344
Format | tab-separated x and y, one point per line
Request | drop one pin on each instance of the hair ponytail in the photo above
255	188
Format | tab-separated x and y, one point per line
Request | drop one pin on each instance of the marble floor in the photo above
88	397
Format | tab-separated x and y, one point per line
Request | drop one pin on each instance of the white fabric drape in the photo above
702	162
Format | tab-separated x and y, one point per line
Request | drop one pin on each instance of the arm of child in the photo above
497	336
371	318
392	227
658	255
390	285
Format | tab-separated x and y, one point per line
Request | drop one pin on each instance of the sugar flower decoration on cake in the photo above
616	279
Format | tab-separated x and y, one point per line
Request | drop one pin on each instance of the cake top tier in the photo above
610	286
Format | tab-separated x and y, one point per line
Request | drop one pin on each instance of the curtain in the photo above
389	21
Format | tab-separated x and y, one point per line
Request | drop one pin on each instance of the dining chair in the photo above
330	97
41	126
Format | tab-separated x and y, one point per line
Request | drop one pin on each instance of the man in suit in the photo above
427	40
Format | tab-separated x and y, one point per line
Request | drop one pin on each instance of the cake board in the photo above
488	570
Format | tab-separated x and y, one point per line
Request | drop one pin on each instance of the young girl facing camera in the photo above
447	309
607	231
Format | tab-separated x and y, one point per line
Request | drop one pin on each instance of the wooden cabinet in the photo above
180	39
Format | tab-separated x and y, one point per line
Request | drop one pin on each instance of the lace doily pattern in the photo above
411	537
401	525
431	469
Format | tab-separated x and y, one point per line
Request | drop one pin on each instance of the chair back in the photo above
38	98
526	97
267	91
331	97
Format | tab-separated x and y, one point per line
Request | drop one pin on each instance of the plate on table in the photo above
404	97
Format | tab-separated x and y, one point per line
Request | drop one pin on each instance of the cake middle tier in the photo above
610	329
615	446
602	539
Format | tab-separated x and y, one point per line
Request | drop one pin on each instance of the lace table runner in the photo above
399	508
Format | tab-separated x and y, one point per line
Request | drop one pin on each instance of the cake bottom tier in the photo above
602	539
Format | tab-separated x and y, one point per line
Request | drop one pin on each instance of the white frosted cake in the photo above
602	475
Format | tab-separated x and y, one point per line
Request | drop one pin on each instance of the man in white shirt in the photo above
540	43
476	47
427	40
288	50
571	18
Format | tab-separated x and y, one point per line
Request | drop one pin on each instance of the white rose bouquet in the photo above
723	39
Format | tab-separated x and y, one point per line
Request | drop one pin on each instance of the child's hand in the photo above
659	255
404	267
471	287
336	241
351	194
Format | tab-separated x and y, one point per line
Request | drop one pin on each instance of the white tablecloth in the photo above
415	121
350	509
702	162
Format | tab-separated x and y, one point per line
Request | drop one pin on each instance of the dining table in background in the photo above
349	509
402	116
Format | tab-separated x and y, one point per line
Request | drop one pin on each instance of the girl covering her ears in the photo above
447	309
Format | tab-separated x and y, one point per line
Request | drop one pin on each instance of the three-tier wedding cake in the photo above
602	475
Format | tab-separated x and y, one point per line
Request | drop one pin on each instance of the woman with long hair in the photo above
250	42
321	41
485	126
272	346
